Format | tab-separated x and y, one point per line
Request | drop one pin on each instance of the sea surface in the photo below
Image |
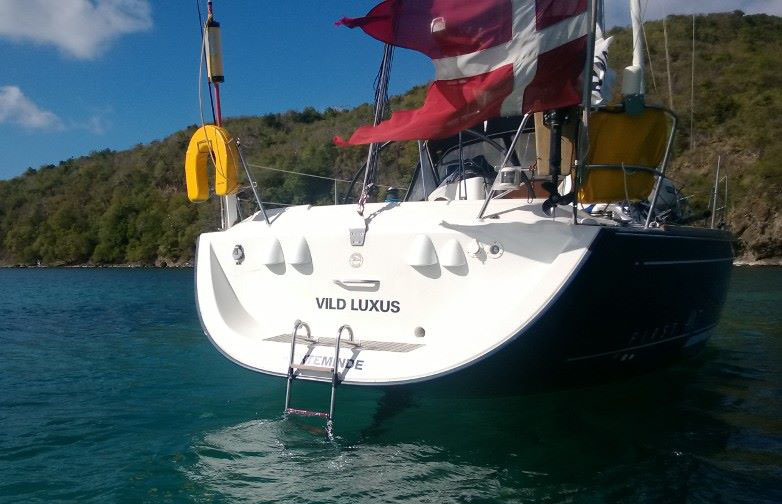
110	392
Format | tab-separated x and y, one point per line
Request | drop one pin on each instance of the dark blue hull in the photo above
639	300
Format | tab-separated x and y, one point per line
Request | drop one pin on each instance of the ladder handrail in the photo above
335	368
296	326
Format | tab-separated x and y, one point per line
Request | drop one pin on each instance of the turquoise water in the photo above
109	392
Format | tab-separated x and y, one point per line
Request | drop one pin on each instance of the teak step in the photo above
309	367
306	413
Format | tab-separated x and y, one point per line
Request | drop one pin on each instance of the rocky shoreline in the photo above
773	261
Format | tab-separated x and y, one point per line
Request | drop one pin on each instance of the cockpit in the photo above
465	166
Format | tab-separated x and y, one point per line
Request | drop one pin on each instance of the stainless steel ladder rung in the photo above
294	367
306	413
308	367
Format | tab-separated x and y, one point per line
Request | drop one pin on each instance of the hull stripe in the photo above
645	345
687	261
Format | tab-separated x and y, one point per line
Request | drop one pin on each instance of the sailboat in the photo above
539	235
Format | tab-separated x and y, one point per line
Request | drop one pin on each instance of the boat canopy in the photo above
625	154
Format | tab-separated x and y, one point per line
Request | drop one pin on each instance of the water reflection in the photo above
647	438
130	403
705	430
279	461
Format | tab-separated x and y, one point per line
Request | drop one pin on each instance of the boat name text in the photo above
355	304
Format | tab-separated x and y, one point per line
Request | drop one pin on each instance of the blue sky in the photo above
85	75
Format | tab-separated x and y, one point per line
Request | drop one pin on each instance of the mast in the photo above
633	81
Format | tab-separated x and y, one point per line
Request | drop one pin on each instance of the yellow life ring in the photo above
211	142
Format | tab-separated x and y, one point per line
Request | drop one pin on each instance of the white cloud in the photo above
98	123
16	108
80	28
618	12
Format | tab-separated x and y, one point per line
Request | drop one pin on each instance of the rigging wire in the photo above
646	43
298	173
323	177
600	17
668	63
381	106
199	85
382	88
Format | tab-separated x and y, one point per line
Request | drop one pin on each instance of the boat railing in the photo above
717	199
629	167
663	165
253	186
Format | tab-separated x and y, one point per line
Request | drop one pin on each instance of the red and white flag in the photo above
491	58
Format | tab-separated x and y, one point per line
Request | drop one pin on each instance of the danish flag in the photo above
491	57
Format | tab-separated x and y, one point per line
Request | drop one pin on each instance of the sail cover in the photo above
492	58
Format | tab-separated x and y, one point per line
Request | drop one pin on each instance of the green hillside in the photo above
130	207
737	115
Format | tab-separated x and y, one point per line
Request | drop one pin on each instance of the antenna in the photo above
214	59
229	203
692	89
668	63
